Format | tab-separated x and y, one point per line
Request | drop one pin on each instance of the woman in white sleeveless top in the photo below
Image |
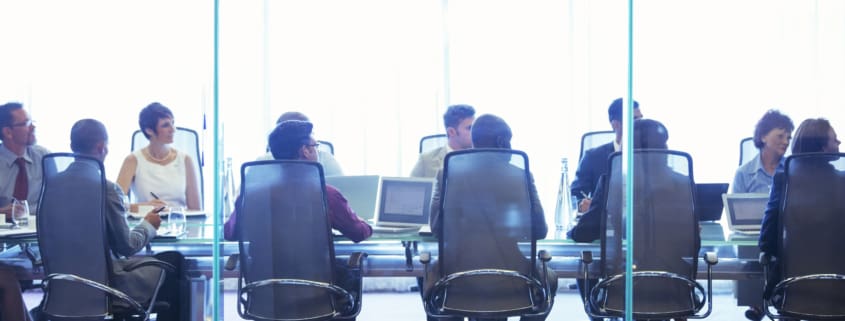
159	174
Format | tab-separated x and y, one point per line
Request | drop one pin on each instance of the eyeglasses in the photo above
315	145
26	123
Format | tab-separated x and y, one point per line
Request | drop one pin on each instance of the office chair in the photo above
595	139
747	150
72	236
432	142
287	262
487	247
326	146
666	242
810	284
185	140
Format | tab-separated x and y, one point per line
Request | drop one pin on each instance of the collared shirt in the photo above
752	178
616	146
9	172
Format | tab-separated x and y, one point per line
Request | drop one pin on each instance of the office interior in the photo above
375	76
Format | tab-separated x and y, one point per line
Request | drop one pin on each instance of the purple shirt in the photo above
341	217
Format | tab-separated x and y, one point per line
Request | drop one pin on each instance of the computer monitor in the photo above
708	200
745	211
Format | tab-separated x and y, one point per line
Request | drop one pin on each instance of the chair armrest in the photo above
151	262
355	259
425	257
99	286
766	258
544	256
711	258
232	262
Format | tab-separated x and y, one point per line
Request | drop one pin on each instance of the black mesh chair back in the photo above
185	140
72	235
666	238
595	139
286	247
432	142
487	226
326	146
747	150
811	247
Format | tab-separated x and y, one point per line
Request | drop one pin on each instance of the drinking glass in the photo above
20	213
176	221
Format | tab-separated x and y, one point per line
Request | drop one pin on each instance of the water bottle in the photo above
563	208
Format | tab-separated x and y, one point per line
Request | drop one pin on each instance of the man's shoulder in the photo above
598	153
434	153
38	150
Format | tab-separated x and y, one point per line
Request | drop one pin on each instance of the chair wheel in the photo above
754	314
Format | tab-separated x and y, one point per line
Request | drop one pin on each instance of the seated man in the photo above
458	121
489	131
89	137
594	163
292	140
648	134
330	165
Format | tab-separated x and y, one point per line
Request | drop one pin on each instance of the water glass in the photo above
176	221
20	213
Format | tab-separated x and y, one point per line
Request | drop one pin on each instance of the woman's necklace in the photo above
159	160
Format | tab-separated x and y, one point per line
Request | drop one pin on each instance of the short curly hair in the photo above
773	119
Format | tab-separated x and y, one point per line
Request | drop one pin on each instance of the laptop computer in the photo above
745	211
360	191
404	204
708	201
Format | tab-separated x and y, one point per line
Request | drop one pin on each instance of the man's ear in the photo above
451	132
7	132
616	125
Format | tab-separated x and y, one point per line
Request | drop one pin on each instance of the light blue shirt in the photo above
9	172
752	178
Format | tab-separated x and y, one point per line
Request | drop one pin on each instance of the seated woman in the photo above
158	173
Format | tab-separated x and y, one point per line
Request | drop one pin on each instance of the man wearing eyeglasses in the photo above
20	159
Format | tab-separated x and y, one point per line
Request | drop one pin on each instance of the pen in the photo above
156	196
587	196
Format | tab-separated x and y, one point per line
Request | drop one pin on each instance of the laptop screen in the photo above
360	191
745	210
404	201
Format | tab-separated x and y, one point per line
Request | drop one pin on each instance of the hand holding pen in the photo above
585	202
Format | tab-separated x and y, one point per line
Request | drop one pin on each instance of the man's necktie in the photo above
21	182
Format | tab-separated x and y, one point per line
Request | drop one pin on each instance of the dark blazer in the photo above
592	166
588	228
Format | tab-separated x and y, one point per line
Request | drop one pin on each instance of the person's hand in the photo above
153	218
584	205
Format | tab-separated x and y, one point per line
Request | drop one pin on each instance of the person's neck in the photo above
15	148
770	160
158	151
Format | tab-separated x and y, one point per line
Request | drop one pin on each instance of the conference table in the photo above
388	255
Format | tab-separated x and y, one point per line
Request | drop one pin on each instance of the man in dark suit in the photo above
594	163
